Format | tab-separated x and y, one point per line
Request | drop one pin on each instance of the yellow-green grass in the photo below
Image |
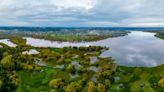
133	77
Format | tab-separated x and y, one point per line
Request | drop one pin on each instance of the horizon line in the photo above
78	27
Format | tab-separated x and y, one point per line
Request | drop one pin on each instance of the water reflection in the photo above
136	49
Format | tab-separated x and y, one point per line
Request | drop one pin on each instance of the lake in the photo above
135	49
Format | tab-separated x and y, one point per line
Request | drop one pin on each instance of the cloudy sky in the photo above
105	13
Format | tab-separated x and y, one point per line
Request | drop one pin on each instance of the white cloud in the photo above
101	23
85	4
148	24
82	12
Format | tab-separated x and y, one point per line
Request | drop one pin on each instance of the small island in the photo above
160	35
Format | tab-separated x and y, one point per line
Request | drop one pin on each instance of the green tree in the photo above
161	82
73	87
100	87
55	83
1	84
6	61
107	83
71	68
91	87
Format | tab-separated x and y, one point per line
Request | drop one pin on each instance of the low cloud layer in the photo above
82	13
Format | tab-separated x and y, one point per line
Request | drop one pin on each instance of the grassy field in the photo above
35	81
132	78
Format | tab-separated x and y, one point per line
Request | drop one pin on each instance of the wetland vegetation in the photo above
25	68
66	69
160	35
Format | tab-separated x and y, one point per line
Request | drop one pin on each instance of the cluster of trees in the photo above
76	86
49	56
88	49
66	54
13	78
21	44
71	68
56	83
6	61
105	75
18	40
8	76
73	86
160	35
12	61
30	67
85	60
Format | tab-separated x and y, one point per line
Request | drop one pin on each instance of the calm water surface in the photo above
136	49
